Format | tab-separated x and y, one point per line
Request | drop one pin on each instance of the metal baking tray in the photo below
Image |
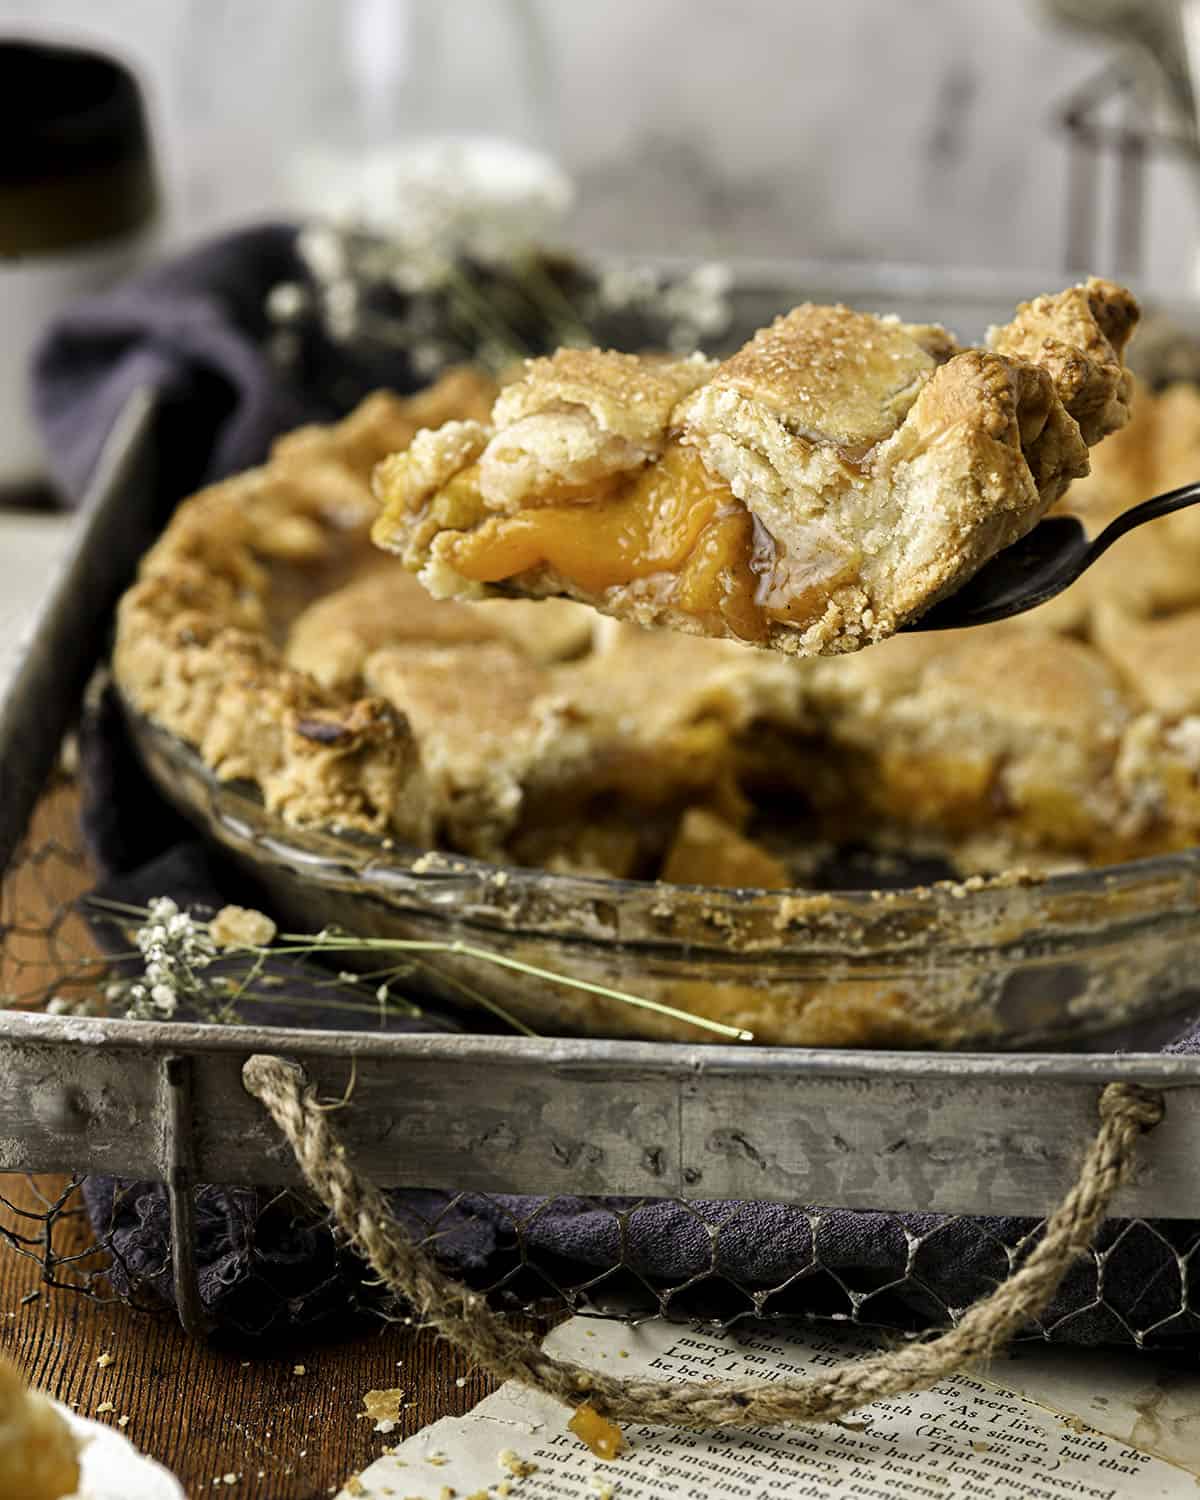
887	1130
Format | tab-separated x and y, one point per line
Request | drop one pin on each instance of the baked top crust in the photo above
826	484
1079	338
198	635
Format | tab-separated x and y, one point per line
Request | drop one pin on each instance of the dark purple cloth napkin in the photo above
193	329
268	1265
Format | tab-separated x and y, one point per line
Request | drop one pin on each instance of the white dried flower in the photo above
622	286
697	305
478	197
415	273
286	302
60	1005
427	358
320	247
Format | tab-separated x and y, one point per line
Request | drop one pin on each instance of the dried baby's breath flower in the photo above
241	927
79	1005
178	953
681	311
175	948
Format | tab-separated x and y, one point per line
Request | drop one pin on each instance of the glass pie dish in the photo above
1098	959
1101	956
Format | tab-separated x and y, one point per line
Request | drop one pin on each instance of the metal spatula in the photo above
1040	565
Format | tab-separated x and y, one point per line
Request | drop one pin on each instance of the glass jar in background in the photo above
302	108
78	201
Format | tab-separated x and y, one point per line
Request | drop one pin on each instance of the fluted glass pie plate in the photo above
1102	958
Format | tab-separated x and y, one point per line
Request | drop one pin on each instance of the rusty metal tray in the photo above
938	1132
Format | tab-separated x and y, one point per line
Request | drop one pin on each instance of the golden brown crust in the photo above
578	418
384	606
830	374
1154	570
483	733
1159	659
881	468
1079	338
630	395
383	423
195	645
381	606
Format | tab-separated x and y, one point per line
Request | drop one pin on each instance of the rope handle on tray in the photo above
465	1318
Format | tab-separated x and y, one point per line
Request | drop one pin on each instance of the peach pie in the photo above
268	633
815	492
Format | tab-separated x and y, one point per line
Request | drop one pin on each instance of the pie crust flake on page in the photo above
825	485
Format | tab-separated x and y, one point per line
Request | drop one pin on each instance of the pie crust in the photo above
200	636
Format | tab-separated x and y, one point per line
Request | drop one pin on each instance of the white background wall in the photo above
896	129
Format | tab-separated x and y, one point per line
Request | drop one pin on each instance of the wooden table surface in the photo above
238	1422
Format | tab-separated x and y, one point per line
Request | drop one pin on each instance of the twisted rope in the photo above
465	1318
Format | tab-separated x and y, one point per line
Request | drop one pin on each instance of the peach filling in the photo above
672	517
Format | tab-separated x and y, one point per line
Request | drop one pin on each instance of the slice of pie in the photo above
824	486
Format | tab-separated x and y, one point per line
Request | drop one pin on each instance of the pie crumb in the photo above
383	1407
603	1437
518	1467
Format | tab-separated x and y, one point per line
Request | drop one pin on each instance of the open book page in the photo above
1022	1430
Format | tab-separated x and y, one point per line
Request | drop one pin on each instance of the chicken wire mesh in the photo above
267	1262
